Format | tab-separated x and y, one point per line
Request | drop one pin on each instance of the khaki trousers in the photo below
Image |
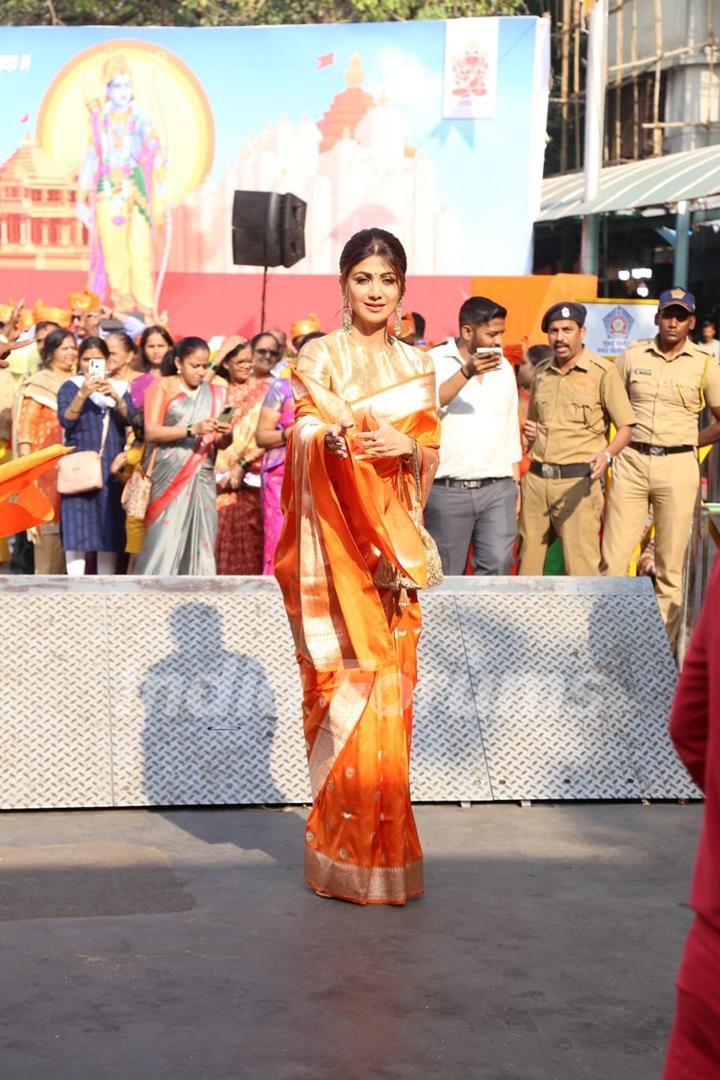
569	509
670	485
49	554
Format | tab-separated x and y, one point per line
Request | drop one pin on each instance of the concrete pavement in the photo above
183	945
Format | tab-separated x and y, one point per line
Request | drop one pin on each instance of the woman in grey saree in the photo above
181	424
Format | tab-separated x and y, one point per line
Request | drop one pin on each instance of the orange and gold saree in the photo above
356	645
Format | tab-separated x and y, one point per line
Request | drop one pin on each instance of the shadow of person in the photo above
210	719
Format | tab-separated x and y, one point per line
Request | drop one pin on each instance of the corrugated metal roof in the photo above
692	174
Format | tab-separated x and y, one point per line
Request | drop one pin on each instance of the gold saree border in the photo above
364	884
347	705
397	402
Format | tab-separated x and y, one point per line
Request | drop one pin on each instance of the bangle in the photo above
608	457
467	374
189	431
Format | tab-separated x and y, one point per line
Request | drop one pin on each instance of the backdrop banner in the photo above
121	148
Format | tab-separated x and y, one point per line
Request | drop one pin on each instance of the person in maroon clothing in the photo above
694	1051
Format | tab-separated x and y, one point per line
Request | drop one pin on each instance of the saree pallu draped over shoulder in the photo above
181	520
356	646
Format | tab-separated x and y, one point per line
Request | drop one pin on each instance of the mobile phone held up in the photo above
96	367
227	414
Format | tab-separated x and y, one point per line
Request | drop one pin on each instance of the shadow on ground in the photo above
545	948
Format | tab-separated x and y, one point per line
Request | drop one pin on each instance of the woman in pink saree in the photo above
277	417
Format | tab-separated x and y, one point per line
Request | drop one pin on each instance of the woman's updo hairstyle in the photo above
52	342
378	242
184	348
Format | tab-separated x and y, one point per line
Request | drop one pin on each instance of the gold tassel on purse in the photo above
388	575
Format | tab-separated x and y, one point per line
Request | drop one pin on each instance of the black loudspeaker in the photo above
268	229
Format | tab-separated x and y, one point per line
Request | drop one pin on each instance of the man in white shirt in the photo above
475	496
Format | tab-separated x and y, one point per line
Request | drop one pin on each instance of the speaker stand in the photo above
262	302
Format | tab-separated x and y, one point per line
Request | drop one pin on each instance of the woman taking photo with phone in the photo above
183	433
351	555
239	547
95	409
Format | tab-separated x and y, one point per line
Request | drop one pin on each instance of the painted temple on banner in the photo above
39	229
354	168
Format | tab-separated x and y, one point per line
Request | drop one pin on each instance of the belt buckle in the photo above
548	471
656	451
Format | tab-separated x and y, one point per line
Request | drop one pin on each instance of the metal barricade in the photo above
704	542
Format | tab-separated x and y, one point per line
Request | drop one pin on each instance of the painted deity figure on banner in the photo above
122	193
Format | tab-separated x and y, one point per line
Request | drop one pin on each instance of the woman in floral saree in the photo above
366	415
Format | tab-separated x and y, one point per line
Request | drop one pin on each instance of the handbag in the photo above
82	471
135	497
387	574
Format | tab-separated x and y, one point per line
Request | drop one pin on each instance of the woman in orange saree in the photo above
366	414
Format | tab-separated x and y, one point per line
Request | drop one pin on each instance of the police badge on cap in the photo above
677	298
566	309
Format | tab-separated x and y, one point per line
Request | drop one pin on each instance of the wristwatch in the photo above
189	431
608	457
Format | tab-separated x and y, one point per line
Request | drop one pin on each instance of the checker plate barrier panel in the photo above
158	692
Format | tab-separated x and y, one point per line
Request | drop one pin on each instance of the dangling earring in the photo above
346	315
398	320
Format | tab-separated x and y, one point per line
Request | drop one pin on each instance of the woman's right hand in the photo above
119	463
204	427
335	441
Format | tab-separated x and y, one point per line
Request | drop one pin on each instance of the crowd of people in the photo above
192	442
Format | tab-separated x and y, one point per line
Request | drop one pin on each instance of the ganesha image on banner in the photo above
122	193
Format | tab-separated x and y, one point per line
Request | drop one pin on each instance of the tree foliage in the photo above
243	12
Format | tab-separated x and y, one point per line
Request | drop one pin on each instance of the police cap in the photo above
677	298
566	309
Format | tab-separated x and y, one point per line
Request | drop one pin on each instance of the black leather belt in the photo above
450	481
560	472
660	451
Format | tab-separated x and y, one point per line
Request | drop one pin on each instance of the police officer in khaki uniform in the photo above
573	399
668	380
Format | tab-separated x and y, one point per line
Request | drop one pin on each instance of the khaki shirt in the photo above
573	411
666	394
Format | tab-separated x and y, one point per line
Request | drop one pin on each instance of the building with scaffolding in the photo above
662	98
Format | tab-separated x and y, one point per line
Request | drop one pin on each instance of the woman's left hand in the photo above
384	441
104	386
235	477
